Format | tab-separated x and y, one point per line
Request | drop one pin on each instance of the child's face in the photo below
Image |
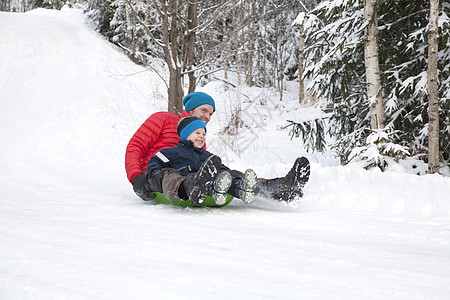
197	137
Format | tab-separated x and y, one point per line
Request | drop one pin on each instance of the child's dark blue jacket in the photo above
184	157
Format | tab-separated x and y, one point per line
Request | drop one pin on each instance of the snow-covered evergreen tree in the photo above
334	60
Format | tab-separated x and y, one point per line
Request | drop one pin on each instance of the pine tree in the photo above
335	66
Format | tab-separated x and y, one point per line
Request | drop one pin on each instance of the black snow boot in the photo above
289	187
200	184
298	177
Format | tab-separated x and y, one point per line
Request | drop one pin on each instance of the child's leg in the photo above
171	184
200	184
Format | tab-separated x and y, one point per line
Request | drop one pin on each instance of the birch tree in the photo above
433	95
377	117
301	45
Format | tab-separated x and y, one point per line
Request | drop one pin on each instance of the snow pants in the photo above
171	184
173	189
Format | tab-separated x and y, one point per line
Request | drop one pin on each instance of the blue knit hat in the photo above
196	99
188	125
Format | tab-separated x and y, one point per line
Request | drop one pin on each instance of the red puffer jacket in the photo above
159	131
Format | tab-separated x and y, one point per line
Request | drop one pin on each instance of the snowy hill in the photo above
72	228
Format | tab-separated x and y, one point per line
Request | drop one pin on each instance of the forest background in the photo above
379	71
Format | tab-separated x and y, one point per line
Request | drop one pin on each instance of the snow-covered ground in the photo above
72	228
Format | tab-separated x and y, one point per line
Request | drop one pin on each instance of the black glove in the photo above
155	179
142	188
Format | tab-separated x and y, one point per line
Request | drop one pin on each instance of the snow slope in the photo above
72	228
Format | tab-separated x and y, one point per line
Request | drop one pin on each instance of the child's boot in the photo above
197	186
246	186
221	187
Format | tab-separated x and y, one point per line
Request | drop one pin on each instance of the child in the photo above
187	171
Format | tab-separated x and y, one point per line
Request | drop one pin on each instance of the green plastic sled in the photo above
209	201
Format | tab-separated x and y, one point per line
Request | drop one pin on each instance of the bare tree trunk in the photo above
280	74
264	54
433	94
236	43
129	37
191	29
377	116
251	41
172	44
301	58
225	40
127	18
147	12
301	86
275	62
175	91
